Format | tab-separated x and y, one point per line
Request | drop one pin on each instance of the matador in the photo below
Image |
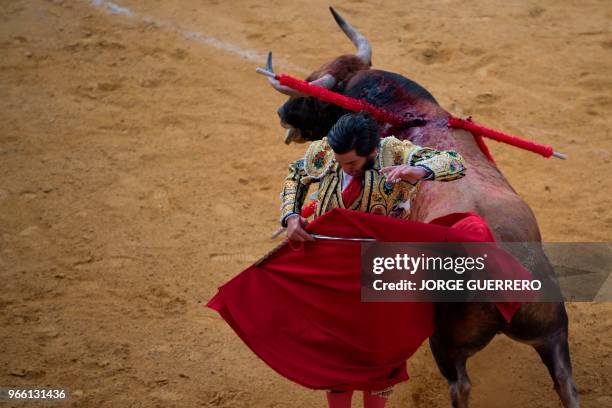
357	170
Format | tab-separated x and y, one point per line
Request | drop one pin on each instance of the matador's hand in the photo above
405	172
295	232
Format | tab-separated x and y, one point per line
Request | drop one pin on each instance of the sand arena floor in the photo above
141	159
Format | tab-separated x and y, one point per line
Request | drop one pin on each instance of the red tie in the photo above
352	191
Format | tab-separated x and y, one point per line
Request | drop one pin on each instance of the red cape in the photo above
299	308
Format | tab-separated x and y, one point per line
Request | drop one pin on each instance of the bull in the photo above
462	329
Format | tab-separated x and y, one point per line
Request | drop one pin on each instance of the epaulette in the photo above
319	159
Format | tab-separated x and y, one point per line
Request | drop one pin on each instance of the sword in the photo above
332	238
329	237
315	236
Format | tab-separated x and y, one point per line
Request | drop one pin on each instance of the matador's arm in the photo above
445	165
295	189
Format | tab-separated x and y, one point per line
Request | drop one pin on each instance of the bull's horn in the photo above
274	82
326	81
364	49
269	62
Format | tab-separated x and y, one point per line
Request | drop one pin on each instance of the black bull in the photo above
462	328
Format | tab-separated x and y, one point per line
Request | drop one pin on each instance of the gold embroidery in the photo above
377	196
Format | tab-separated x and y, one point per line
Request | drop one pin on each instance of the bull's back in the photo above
383	88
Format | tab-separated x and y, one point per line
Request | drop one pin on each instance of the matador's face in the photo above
354	164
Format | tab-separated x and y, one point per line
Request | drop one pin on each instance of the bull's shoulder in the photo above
319	158
394	151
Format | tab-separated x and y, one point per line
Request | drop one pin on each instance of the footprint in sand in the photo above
435	55
594	83
486	98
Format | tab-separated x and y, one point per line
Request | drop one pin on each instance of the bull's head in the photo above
307	118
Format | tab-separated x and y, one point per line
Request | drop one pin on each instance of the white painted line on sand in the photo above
246	53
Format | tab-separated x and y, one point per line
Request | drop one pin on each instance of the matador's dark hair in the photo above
357	131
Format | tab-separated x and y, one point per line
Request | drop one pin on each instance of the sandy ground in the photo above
141	168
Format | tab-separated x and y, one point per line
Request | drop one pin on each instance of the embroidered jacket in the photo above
377	196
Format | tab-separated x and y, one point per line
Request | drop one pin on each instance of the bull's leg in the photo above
544	326
555	355
463	330
452	366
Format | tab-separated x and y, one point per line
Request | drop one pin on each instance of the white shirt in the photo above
346	179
